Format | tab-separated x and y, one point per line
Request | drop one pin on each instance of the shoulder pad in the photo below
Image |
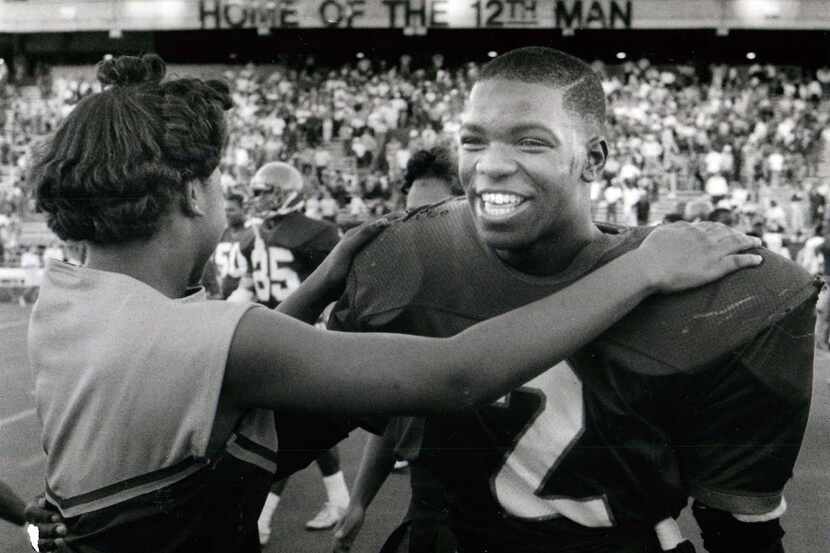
294	231
683	332
409	256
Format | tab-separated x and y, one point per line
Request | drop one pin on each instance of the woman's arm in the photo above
278	363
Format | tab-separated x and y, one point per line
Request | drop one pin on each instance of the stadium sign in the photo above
409	15
403	14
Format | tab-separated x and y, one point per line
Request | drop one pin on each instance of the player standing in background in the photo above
430	177
600	453
287	245
230	264
283	250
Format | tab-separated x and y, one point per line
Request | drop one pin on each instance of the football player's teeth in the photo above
497	204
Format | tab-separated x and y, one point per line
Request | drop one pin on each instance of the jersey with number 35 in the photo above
605	444
285	250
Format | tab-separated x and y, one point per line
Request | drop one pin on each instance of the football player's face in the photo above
520	160
234	213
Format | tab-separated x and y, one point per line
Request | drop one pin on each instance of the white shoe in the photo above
327	518
264	534
264	530
400	465
263	523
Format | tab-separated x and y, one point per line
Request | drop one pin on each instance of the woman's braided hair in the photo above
120	160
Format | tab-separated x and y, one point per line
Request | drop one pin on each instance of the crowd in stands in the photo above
729	133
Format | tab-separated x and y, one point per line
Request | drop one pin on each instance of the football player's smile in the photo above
499	205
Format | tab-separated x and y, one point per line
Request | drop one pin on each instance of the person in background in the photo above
230	264
698	209
613	195
430	178
723	216
277	256
810	256
54	251
823	307
32	264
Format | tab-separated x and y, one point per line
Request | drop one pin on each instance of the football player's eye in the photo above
533	143
471	142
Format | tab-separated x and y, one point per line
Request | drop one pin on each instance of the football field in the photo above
22	463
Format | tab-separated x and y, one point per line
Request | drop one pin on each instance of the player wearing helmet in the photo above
286	247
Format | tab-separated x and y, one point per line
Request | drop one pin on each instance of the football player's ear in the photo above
597	154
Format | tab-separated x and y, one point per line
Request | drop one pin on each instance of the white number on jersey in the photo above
229	260
541	446
270	278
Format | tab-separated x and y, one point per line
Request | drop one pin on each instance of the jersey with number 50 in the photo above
230	264
590	455
285	250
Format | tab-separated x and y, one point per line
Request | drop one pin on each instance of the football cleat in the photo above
327	518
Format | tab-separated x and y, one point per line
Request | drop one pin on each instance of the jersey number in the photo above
271	279
557	426
229	261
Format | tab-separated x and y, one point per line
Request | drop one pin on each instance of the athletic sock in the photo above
270	506
336	489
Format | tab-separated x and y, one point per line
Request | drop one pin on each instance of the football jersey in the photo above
229	263
614	439
284	251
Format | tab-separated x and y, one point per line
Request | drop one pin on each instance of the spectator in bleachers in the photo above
732	133
612	195
32	264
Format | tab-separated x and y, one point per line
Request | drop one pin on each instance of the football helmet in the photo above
277	189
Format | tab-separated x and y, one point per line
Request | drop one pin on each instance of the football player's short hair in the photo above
436	162
122	157
238	199
584	95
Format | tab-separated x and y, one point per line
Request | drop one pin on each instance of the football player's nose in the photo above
494	164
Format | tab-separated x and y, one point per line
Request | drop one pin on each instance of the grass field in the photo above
21	465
